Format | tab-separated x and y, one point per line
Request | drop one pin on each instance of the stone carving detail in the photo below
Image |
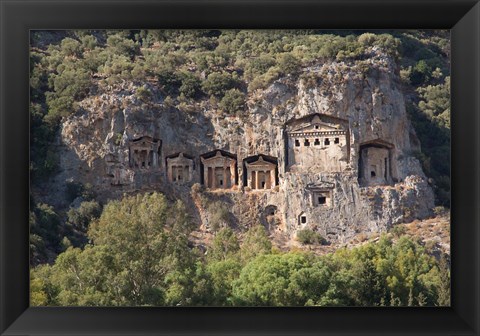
219	169
144	153
319	143
261	172
321	194
116	171
375	163
180	168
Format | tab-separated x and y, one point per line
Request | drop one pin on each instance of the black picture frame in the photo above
17	17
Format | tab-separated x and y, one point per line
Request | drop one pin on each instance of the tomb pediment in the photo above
317	127
261	163
219	169
145	142
377	143
321	186
180	158
218	159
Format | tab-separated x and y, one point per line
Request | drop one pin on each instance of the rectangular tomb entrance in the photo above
321	194
261	172
375	163
219	169
180	168
144	153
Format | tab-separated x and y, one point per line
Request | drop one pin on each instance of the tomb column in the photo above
273	180
225	172
366	165
155	159
257	185
214	177
254	179
144	158
249	176
232	174
190	172
205	174
169	171
136	159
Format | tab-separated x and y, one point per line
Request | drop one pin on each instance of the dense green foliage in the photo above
140	255
425	70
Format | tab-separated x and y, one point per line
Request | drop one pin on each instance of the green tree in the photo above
255	243
308	236
219	215
82	216
435	102
444	282
222	274
288	64
290	279
139	256
258	66
217	83
233	102
121	45
191	85
224	245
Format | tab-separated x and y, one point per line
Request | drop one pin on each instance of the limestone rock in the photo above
366	107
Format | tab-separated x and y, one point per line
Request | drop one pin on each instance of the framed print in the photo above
239	168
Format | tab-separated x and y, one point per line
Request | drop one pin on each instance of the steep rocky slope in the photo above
94	146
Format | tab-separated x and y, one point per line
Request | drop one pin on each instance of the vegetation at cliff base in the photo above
139	254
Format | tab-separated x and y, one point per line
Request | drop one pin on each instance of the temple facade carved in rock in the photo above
261	172
219	169
180	168
318	143
321	194
375	163
144	153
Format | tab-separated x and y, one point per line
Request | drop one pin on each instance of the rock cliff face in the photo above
353	171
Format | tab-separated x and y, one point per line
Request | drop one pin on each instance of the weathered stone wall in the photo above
94	143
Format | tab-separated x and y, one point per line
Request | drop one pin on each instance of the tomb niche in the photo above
116	172
302	219
270	218
321	194
317	141
262	172
144	153
218	169
375	163
180	168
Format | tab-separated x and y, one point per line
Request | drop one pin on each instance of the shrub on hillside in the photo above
310	237
233	103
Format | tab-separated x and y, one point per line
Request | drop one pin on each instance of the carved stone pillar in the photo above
186	173
170	173
225	180
205	175
273	180
232	175
214	178
155	160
